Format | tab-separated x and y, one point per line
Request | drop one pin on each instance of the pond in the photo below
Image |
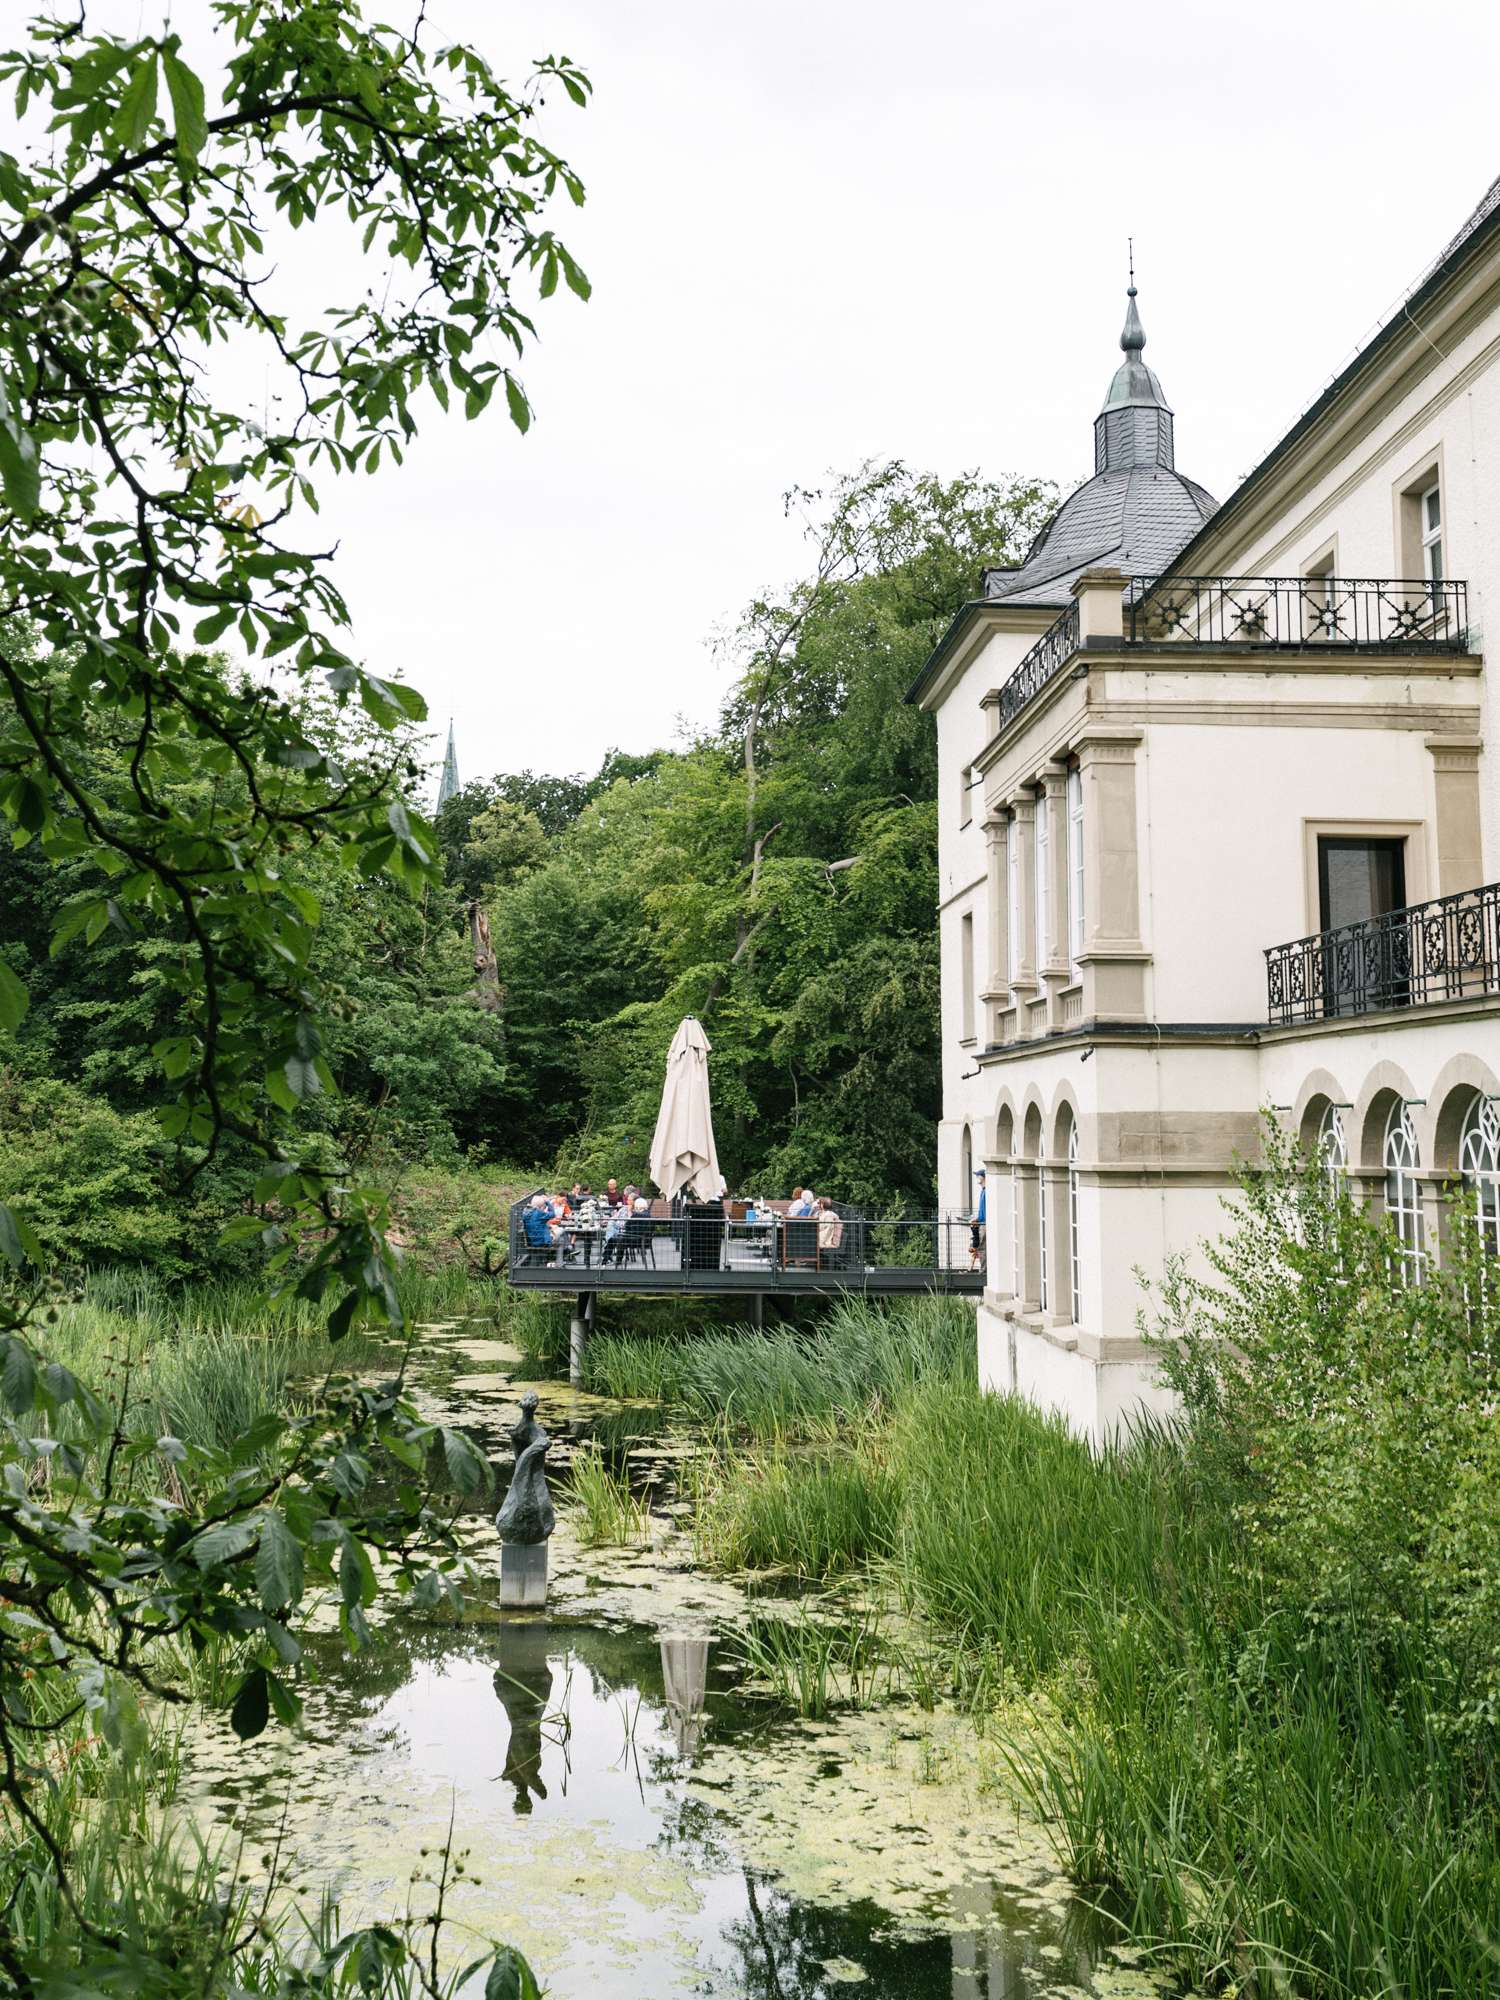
632	1819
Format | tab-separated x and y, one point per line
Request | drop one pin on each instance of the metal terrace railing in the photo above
702	1250
1375	614
1051	652
1448	949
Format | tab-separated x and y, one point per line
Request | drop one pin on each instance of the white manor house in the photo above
1219	829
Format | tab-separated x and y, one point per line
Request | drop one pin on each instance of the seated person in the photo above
830	1227
614	1234
807	1205
537	1224
612	1193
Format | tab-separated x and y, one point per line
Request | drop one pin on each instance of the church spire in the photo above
1135	425
448	783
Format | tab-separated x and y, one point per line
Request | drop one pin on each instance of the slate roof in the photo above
1135	513
1135	520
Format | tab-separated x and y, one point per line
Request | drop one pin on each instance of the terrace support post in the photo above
579	1329
758	1310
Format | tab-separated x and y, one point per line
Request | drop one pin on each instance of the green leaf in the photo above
511	1978
137	107
208	629
186	91
18	1376
467	1467
252	1705
20	468
302	1078
14	999
278	1564
17	1244
520	409
222	1542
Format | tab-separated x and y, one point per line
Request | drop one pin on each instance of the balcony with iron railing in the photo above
1256	613
1446	949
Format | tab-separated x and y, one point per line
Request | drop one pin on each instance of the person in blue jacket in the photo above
976	1225
537	1223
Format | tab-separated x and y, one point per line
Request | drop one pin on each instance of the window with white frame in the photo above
965	794
966	976
1403	1193
1333	1149
1075	865
1042	817
1013	896
1075	1284
1479	1163
1430	520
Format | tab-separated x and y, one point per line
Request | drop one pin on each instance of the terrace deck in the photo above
885	1260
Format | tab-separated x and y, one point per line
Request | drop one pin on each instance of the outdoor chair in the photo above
639	1241
800	1242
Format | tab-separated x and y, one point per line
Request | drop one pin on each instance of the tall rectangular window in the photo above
1041	881
965	794
1075	865
966	974
1012	898
1430	508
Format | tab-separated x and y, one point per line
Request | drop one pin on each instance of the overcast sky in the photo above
825	230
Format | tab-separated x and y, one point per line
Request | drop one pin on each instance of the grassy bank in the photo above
1248	1666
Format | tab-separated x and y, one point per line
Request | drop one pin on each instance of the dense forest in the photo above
777	876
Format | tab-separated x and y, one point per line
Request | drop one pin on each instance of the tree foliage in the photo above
196	845
777	877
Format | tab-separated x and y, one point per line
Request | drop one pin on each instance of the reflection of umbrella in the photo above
684	1673
682	1153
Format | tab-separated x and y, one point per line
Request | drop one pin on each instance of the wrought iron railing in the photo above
1052	651
1448	949
1410	612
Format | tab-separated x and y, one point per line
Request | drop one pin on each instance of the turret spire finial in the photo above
1133	339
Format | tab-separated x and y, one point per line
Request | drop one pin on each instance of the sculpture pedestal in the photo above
523	1575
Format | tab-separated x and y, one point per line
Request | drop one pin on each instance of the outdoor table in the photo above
581	1233
759	1235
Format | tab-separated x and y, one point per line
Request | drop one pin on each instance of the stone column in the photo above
996	992
1028	1235
1113	958
1024	982
1056	969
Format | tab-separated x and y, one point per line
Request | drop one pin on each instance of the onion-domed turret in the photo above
1136	512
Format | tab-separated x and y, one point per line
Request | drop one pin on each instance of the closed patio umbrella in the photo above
682	1152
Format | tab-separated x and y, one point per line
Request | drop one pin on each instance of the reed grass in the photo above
813	1663
608	1512
776	1382
1270	1806
812	1511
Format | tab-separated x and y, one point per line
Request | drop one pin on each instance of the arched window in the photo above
1333	1148
1403	1193
1074	1281
1044	1276
1479	1163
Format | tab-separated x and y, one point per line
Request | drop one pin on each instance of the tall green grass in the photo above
773	1382
1267	1804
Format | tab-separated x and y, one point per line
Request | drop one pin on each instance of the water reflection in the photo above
606	1779
523	1682
684	1673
